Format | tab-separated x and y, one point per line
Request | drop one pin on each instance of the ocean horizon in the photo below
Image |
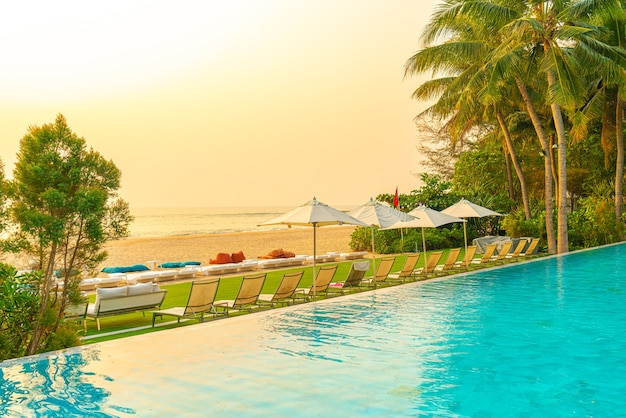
163	222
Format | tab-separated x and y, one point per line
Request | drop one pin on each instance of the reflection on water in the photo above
56	385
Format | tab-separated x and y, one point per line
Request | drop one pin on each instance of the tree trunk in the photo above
545	149
562	233
38	328
619	164
516	164
509	172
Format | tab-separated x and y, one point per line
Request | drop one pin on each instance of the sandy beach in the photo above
204	247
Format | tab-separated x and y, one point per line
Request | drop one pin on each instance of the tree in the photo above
563	48
461	93
63	197
3	198
607	98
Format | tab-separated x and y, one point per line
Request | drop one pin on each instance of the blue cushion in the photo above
172	265
125	269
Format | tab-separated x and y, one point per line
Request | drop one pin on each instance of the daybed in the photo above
125	299
142	277
225	263
298	260
352	256
326	258
213	269
188	272
166	275
102	282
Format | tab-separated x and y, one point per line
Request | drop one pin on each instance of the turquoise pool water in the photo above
544	338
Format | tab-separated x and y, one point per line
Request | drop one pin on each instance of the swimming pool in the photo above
543	338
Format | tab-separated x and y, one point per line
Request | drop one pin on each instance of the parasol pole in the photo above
465	235
314	256
373	254
424	245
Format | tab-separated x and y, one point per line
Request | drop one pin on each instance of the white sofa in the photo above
125	299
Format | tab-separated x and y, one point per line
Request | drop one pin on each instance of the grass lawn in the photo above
125	325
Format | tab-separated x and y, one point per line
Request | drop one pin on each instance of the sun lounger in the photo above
325	275
247	297
467	259
450	261
199	303
353	280
431	263
407	269
506	247
382	271
77	312
285	292
532	247
486	258
518	249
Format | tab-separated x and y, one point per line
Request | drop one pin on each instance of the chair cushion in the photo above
172	265
112	293
222	258
238	257
109	293
140	289
126	269
277	253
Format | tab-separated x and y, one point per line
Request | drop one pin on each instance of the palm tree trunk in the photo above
541	134
619	164
516	164
509	171
557	116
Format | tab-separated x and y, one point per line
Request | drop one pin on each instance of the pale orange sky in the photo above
223	103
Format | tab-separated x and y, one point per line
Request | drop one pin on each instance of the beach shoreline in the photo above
203	247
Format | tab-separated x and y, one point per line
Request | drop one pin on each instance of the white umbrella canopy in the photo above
425	217
314	213
376	213
379	214
466	209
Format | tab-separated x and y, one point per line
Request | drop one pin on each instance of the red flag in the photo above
395	198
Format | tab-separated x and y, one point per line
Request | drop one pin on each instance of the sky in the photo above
223	103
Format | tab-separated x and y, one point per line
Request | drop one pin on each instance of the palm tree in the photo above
546	32
607	100
461	55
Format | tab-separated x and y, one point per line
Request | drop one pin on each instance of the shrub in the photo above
594	223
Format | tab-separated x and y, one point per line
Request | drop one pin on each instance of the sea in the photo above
163	222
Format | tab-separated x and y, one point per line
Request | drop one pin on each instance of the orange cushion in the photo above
222	258
238	257
279	253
